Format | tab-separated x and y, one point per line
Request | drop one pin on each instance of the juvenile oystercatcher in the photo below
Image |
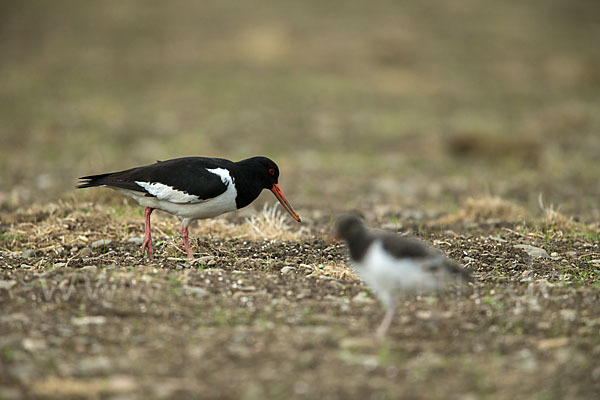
194	188
393	265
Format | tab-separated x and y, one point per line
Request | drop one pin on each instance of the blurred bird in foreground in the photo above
393	265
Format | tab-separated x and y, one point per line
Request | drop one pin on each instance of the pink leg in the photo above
184	235
385	324
147	244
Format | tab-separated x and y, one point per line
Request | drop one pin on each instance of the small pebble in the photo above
100	243
89	320
205	259
28	253
423	314
533	251
33	345
135	240
196	290
287	270
91	268
85	252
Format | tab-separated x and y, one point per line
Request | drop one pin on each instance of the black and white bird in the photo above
394	266
194	188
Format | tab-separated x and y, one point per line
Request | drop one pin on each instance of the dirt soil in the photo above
273	318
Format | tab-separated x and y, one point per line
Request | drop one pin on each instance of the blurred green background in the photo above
402	103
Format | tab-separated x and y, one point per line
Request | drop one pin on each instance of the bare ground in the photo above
257	318
471	125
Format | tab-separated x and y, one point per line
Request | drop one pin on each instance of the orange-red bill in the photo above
288	207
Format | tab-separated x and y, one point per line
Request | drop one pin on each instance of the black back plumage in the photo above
188	174
191	175
359	239
402	247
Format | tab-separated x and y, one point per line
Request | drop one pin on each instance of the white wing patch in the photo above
223	173
184	205
165	192
168	193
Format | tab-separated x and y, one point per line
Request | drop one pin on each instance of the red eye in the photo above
272	171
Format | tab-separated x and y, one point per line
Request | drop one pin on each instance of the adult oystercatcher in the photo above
194	188
393	265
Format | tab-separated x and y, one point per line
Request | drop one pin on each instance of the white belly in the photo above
187	212
389	276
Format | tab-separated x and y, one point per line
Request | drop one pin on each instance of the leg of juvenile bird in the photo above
147	244
387	321
186	242
436	313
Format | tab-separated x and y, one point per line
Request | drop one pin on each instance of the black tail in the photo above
91	181
114	180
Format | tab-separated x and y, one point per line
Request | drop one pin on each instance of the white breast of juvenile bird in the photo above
388	275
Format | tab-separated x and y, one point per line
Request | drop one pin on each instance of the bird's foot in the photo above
147	245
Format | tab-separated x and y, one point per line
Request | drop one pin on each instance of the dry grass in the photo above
553	219
485	209
85	388
492	209
270	223
335	271
54	225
